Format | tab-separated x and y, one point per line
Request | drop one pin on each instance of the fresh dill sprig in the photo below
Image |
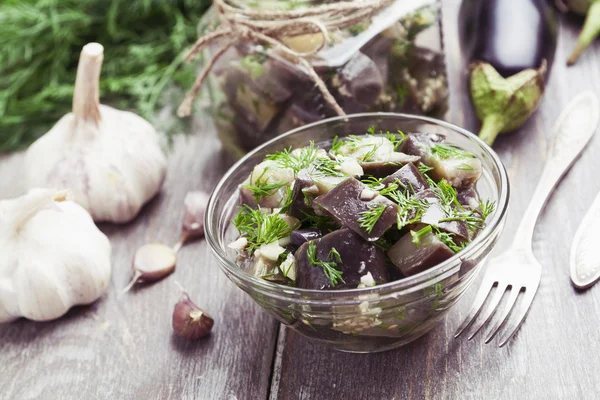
446	151
373	182
325	167
334	275
448	240
260	228
368	219
417	236
295	160
487	208
391	188
262	188
408	204
287	200
336	144
396	141
464	167
424	168
324	223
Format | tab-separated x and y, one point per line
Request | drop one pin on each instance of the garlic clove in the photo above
189	321
152	262
193	218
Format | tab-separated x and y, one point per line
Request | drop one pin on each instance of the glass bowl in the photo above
367	319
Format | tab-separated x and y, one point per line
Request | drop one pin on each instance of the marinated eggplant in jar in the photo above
395	65
359	211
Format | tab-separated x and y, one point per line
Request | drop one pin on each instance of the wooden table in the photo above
122	346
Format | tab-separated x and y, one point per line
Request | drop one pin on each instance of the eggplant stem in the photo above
133	281
591	29
490	128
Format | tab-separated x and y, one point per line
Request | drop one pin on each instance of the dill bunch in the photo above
41	41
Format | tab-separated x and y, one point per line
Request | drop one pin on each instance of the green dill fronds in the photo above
336	144
260	228
287	200
334	275
368	219
396	141
487	208
417	236
325	167
295	160
445	151
464	167
262	188
373	183
424	168
408	204
448	240
324	223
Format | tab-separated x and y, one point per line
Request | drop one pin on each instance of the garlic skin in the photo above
53	256
110	159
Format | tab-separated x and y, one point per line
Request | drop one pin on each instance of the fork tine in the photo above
491	309
512	298
524	307
482	294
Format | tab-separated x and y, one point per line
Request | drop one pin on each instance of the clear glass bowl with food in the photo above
360	231
392	62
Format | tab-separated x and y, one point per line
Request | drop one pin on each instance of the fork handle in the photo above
572	131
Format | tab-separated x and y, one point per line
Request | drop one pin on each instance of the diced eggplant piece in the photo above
359	79
266	173
349	202
418	144
434	214
357	259
367	148
378	50
304	190
410	177
301	236
460	168
468	197
387	165
411	258
295	116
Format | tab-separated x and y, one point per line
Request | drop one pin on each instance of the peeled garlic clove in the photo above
193	218
189	321
53	256
110	159
152	262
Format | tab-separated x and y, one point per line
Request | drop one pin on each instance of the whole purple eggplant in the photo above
510	46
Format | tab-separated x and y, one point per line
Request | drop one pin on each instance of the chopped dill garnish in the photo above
325	167
408	205
336	144
373	183
334	275
368	219
446	151
464	167
487	208
417	236
260	228
322	222
448	240
262	188
295	160
391	188
287	200
396	141
424	168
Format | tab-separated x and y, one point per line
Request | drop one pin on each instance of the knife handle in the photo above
572	131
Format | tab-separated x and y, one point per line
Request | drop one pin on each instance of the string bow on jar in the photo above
272	28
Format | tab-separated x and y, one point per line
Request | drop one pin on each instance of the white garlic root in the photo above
110	159
53	256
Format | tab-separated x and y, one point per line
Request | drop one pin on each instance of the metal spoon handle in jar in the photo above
572	131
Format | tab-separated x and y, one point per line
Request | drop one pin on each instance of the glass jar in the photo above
392	63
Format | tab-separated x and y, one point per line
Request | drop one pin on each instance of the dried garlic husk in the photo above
53	256
111	160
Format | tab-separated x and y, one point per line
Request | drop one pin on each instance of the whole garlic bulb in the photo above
53	256
111	160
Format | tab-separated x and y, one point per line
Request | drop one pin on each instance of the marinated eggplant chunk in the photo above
388	164
411	258
459	167
359	208
360	79
301	236
435	213
355	258
468	197
409	177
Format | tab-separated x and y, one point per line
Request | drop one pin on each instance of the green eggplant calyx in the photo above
591	29
504	104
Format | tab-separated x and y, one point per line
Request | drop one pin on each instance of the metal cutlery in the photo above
517	270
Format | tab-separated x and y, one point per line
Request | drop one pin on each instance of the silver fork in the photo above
517	270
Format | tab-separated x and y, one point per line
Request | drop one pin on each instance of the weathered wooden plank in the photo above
553	355
122	346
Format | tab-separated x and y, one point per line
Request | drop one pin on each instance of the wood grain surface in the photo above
122	347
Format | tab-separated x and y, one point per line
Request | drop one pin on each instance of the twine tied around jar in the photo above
271	27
